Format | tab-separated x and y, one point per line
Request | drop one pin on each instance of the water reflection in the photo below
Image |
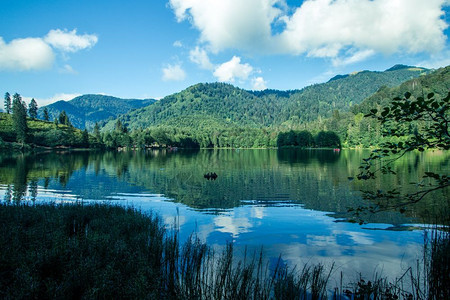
315	179
281	200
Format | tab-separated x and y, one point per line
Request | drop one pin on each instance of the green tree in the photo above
430	117
7	103
32	109
19	118
85	138
63	118
46	116
328	139
96	132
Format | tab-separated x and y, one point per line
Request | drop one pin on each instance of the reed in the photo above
104	251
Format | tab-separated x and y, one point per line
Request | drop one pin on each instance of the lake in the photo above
290	202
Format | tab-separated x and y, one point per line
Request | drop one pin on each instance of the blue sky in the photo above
53	50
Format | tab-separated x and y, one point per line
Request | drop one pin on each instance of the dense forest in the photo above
228	105
218	115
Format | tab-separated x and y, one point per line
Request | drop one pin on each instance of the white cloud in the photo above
233	69
323	28
37	54
229	24
173	73
259	83
177	44
25	55
200	57
70	41
354	57
319	28
57	97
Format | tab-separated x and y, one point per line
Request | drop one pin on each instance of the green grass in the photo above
41	133
102	251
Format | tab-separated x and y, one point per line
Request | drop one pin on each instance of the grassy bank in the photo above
100	251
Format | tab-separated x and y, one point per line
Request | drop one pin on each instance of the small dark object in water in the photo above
212	176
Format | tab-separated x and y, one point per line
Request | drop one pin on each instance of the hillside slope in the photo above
84	111
270	108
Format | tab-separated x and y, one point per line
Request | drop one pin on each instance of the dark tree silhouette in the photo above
19	118
32	109
7	103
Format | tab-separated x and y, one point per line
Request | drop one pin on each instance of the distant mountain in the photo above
221	103
84	111
399	67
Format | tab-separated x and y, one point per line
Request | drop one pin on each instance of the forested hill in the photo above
356	131
84	111
225	104
437	82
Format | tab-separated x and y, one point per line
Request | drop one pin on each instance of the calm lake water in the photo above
291	202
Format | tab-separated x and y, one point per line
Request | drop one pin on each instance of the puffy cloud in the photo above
200	57
70	41
37	53
324	27
318	28
231	23
25	55
233	69
259	84
173	73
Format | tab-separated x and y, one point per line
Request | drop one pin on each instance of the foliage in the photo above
63	119
84	111
423	123
7	102
46	116
19	118
32	109
42	133
225	103
103	251
295	138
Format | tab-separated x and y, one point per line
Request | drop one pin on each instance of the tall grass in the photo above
101	251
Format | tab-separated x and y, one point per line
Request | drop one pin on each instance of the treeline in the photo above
20	125
217	137
305	139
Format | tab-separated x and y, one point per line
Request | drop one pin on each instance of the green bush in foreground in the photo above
102	251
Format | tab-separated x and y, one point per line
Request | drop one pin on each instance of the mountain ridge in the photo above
85	110
269	108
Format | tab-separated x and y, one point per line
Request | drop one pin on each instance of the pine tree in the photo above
97	132
7	102
85	138
46	116
64	119
19	118
32	109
